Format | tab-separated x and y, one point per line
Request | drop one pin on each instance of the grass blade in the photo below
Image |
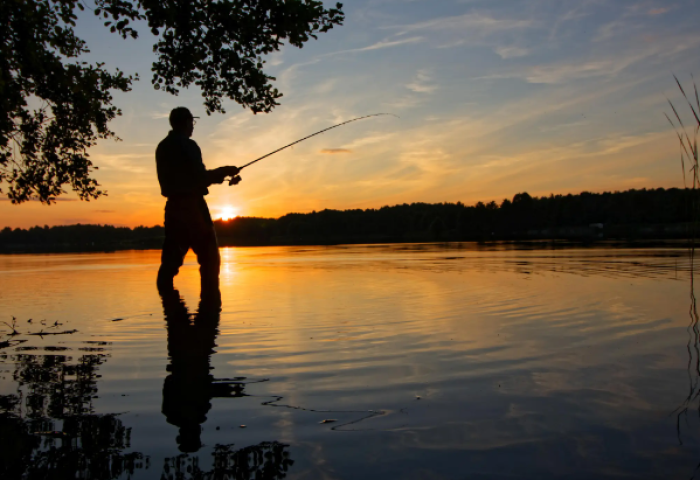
676	113
683	168
690	104
695	87
679	85
680	137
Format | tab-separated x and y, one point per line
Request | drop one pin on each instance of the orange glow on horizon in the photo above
227	213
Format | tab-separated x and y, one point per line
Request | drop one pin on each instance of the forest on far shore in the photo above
632	214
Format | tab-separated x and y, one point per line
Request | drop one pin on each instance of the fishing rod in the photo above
237	178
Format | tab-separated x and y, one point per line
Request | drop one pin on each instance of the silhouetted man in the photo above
183	181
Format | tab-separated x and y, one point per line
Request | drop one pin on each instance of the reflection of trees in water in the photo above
56	388
48	429
86	447
266	461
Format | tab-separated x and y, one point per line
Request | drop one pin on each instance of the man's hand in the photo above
230	171
218	175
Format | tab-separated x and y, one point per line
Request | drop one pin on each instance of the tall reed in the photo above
688	141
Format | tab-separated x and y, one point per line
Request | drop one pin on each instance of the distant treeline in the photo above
79	238
656	213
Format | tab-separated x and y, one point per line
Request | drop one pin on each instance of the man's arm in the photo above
218	175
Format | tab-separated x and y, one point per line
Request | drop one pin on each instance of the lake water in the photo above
449	361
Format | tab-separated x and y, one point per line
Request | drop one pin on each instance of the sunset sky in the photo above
493	98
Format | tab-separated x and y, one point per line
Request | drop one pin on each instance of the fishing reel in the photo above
234	180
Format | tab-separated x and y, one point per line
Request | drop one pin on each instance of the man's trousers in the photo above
188	225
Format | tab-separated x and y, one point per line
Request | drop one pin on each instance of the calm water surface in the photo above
394	361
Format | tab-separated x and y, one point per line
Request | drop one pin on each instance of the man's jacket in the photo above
181	171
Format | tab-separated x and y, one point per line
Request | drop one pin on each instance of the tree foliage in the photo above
54	106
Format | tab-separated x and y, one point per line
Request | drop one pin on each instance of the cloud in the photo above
606	64
140	163
275	58
420	83
105	211
657	11
560	73
512	52
609	30
470	21
406	101
333	151
562	126
572	71
372	139
387	44
569	16
377	46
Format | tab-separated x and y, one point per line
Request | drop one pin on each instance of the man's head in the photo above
182	121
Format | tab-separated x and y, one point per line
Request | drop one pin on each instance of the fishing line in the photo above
237	179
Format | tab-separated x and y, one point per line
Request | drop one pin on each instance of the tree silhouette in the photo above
54	107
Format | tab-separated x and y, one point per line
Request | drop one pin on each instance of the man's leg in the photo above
175	248
206	248
207	251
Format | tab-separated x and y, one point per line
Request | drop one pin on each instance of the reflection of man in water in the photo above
189	388
184	180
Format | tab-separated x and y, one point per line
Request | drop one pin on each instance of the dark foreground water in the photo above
372	362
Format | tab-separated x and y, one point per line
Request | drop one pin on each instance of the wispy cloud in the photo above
490	30
572	71
333	151
377	46
421	83
275	58
388	44
658	11
562	126
512	51
563	72
568	16
133	163
403	102
469	21
609	30
605	61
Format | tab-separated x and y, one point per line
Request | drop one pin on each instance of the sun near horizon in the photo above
226	212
